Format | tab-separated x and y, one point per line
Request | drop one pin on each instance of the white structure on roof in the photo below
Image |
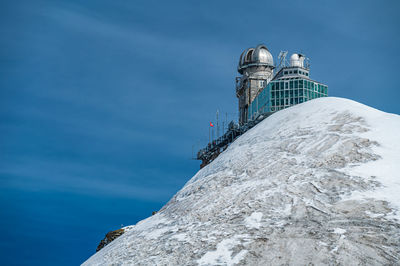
297	60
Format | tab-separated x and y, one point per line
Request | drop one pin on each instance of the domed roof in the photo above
255	56
296	60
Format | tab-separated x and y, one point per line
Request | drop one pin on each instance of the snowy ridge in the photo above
315	183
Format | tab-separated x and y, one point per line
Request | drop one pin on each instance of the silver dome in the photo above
259	56
297	60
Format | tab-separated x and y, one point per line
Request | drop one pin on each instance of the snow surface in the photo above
316	183
223	254
253	221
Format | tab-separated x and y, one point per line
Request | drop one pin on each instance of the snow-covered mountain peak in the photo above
315	183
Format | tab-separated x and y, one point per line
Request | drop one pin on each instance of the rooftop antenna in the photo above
307	63
282	59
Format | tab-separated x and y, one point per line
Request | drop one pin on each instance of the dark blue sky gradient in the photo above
101	101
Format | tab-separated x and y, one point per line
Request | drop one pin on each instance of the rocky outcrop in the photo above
110	236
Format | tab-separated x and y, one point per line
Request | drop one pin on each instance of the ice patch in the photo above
180	237
223	254
374	215
156	233
339	231
254	220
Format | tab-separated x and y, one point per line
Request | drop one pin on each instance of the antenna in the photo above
307	63
282	59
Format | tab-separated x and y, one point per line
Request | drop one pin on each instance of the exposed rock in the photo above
110	236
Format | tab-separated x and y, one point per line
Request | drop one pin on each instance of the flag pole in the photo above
217	125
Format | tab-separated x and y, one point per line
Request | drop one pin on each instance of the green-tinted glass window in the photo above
296	84
286	85
300	84
296	100
301	100
286	93
300	92
291	93
282	102
295	93
281	94
281	85
291	100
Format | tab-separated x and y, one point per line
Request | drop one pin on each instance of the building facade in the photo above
260	91
256	67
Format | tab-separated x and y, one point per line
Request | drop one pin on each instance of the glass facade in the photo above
280	94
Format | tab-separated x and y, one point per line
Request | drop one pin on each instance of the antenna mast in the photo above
282	59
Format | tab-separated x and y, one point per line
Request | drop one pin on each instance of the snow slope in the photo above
315	183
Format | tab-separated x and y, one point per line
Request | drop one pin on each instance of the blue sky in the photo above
101	101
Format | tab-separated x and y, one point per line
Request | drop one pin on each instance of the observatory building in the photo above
256	66
261	92
263	89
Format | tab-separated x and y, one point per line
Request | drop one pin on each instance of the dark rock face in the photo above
110	236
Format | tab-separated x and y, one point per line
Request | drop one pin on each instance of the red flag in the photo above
211	124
